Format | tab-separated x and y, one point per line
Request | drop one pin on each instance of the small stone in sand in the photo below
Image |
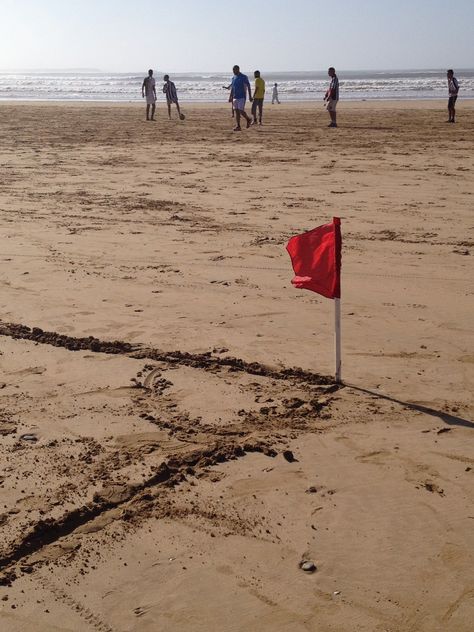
308	567
29	437
289	456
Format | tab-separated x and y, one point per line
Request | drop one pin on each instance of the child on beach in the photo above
275	94
453	89
228	88
258	96
169	89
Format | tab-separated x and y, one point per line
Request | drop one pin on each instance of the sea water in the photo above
208	87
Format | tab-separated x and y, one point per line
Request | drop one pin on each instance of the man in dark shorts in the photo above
332	96
169	89
453	88
238	95
258	96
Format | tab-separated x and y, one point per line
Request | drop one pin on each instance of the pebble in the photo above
289	456
308	567
29	437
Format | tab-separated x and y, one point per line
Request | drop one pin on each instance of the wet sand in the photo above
163	464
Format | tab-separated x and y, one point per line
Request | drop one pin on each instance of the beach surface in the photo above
172	444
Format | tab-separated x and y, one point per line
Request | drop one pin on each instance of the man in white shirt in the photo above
149	91
275	94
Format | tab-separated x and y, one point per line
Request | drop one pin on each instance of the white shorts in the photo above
239	104
332	105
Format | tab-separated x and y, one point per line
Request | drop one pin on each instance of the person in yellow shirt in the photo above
258	96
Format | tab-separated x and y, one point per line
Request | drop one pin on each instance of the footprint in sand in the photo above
31	370
378	457
432	487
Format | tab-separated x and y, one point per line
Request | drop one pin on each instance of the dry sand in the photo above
147	330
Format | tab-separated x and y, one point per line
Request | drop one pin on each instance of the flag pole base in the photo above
337	340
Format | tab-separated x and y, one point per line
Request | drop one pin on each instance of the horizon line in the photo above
184	72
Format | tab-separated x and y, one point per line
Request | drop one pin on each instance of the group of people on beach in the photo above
256	100
240	86
238	95
149	93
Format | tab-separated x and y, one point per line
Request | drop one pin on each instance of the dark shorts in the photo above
257	103
452	101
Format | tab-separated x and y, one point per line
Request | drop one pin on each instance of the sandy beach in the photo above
172	444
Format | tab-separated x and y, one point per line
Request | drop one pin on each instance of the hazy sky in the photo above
193	35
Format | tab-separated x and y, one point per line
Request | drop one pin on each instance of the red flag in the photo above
316	259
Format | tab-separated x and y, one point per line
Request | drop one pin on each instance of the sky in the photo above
213	35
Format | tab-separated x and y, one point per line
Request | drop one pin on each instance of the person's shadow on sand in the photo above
451	420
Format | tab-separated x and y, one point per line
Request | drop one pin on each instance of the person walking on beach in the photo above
258	96
149	91
169	89
275	94
332	96
238	94
453	89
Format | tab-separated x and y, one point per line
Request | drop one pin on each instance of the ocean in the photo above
208	87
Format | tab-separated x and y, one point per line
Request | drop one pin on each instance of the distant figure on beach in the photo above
258	96
453	89
238	94
169	89
149	91
332	96
275	94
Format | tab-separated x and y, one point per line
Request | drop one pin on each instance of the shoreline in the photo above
345	104
301	102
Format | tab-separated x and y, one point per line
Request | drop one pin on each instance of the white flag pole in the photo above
337	338
337	300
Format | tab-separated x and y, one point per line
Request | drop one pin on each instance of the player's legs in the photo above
254	110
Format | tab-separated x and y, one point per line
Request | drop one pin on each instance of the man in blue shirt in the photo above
238	93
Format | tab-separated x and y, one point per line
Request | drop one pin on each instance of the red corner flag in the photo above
316	259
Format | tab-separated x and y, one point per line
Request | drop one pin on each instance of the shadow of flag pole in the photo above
316	260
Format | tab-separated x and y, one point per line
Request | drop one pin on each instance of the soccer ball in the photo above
181	116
